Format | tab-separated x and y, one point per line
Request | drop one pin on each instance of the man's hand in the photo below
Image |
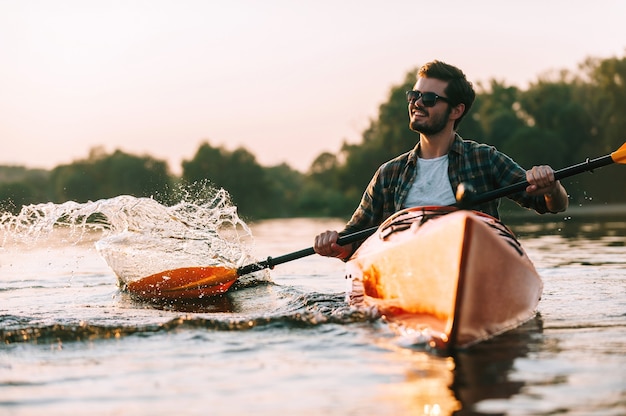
326	245
543	182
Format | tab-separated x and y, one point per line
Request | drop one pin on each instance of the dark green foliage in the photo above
106	176
16	194
286	189
558	121
239	173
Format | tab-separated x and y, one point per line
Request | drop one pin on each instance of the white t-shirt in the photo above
432	184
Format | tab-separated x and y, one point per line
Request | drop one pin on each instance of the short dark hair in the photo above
459	89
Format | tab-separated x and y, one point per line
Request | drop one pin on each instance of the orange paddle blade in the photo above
619	156
184	283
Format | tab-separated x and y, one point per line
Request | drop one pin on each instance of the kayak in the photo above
459	276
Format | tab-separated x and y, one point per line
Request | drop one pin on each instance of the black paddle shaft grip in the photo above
270	262
588	165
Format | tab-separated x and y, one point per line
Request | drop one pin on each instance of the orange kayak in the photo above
459	276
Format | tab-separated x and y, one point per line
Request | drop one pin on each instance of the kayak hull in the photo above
460	275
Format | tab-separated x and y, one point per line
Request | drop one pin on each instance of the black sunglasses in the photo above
429	99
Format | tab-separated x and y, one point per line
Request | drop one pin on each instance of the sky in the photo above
285	79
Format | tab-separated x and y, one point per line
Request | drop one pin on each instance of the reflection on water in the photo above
425	388
445	385
484	372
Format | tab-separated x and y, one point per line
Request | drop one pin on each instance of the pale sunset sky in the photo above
286	79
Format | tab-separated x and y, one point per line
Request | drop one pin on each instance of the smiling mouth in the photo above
419	113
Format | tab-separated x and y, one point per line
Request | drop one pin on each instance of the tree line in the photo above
560	119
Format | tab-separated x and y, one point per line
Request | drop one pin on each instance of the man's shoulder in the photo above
394	168
466	146
399	160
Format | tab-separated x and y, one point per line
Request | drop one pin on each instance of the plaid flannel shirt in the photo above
480	165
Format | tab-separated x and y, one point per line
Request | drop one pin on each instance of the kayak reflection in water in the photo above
440	162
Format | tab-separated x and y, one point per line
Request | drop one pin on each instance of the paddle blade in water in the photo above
619	156
184	283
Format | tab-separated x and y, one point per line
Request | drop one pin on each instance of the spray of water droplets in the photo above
140	236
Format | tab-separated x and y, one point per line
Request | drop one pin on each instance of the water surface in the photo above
287	342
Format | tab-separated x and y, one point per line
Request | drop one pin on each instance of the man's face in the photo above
429	120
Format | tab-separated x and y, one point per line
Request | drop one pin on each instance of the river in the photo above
73	343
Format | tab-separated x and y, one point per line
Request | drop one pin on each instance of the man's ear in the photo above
457	111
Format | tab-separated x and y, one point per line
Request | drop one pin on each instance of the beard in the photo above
436	124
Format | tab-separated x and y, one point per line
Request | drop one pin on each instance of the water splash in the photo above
140	236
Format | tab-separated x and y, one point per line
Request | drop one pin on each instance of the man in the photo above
431	172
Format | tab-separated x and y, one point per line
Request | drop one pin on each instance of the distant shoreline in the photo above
591	210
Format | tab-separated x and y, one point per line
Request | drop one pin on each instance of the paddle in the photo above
270	262
618	156
212	280
199	282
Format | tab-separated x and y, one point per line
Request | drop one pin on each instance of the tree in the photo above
16	194
606	99
238	173
496	111
105	176
286	189
605	102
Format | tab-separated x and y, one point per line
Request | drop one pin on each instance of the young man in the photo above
431	172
